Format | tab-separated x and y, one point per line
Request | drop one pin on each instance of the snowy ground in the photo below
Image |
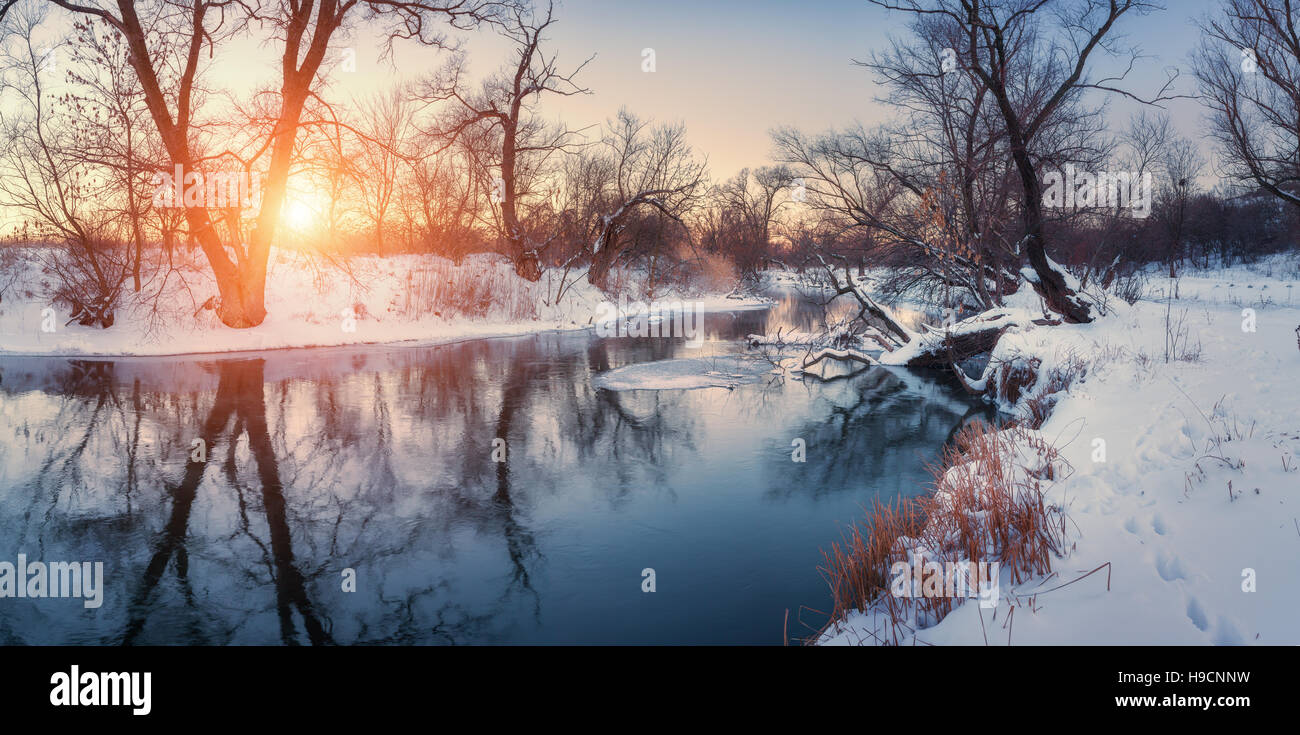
1274	281
315	303
1186	477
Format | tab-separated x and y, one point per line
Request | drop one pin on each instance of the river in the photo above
353	495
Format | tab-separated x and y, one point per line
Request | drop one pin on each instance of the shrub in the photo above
988	505
1131	287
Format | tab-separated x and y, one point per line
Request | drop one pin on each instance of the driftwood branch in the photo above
850	355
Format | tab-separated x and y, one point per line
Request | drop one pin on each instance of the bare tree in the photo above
112	127
1061	36
1153	147
948	151
653	168
441	195
330	159
935	191
388	120
1182	163
751	200
1148	138
44	176
180	31
506	105
1248	66
847	178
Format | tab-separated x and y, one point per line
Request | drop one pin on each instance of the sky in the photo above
731	70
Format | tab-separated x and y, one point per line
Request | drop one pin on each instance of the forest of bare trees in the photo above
988	98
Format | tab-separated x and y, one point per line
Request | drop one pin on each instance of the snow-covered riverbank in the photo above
314	303
1184	436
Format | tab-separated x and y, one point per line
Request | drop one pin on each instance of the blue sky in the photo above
733	70
730	69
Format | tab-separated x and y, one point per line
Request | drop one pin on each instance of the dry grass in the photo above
1224	429
715	274
1130	288
443	289
1016	377
988	505
1179	344
1025	384
1038	408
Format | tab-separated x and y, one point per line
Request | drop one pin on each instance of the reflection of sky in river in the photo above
379	460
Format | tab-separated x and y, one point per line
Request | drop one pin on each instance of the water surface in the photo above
380	460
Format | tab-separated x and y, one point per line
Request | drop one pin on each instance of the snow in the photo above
1274	281
314	303
1185	487
922	343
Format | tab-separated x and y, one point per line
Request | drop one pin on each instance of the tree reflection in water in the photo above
380	461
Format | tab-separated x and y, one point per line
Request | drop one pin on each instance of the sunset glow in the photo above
301	217
383	326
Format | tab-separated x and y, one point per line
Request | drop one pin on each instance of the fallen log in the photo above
942	347
850	355
952	349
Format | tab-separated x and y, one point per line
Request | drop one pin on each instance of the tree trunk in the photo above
1050	284
606	251
952	349
598	273
528	266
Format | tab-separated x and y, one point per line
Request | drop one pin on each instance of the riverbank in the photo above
1179	421
312	302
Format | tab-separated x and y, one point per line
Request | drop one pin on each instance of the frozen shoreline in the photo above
303	313
453	334
1185	487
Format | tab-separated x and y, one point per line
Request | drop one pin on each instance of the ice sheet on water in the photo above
724	371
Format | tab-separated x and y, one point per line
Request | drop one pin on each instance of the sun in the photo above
299	215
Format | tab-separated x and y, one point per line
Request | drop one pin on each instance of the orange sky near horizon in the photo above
730	70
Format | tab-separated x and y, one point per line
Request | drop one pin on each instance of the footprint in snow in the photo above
1226	633
1197	615
1170	567
1158	525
